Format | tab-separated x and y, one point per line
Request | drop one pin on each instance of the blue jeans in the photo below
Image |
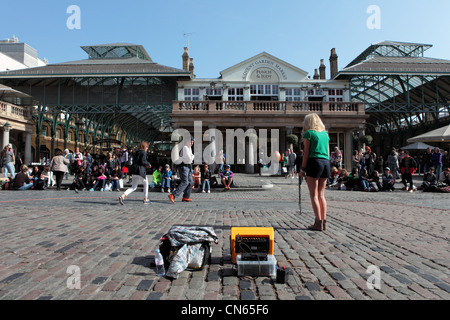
186	183
115	184
365	184
438	170
101	182
9	167
206	182
166	183
26	186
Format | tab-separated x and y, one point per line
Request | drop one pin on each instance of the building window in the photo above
44	131
69	136
335	95
236	94
58	134
293	94
315	92
191	94
264	89
214	92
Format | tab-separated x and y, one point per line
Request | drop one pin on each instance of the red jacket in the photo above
409	162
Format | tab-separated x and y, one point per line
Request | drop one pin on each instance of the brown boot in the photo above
324	225
317	226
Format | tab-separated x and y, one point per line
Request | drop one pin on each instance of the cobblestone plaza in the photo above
405	235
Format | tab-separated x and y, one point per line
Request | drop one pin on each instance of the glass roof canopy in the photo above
398	85
116	51
118	87
391	49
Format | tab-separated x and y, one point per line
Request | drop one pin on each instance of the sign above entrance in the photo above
264	75
261	65
263	68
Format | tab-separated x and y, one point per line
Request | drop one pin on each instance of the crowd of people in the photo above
371	173
105	173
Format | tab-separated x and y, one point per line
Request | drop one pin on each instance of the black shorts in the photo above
318	168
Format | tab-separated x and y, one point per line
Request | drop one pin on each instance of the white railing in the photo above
264	107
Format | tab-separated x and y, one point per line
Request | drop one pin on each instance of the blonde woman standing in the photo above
316	167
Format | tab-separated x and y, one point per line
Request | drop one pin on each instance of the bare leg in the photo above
322	201
313	186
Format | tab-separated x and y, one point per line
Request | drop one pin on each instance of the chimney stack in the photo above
191	67
322	70
333	63
316	75
186	59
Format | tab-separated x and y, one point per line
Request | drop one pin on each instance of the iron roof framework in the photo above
401	89
118	90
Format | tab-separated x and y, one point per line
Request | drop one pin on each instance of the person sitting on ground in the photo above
22	180
38	182
157	178
100	180
334	175
206	176
115	178
166	178
92	175
388	180
364	180
446	177
353	180
81	178
374	181
196	176
227	177
430	182
342	180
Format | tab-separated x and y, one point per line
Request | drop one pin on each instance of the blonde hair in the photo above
313	122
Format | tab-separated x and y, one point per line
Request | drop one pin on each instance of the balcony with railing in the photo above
212	107
13	112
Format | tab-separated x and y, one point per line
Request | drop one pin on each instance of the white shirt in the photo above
186	155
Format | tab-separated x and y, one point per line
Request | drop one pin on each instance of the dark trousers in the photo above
407	178
186	183
59	175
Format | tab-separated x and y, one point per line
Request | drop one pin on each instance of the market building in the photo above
120	96
264	92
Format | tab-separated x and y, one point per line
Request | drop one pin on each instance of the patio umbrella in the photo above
417	146
438	135
11	95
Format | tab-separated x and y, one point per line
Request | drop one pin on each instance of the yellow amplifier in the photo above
251	240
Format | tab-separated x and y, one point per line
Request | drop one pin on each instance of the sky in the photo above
225	33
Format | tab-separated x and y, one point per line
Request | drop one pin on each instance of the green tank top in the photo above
319	144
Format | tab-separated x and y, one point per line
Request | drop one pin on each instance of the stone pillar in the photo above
6	129
28	157
249	155
348	150
215	146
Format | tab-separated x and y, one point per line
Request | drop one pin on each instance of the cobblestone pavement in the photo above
405	235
